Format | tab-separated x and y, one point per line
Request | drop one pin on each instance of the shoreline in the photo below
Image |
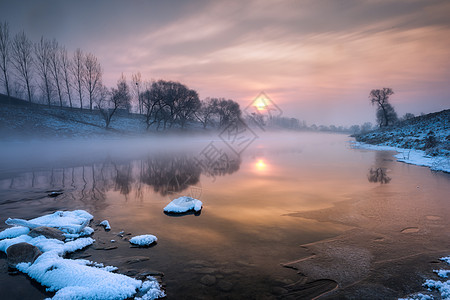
410	156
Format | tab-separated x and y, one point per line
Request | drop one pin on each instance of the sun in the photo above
260	165
260	104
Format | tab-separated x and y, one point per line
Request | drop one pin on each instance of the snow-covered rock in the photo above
183	204
143	240
106	224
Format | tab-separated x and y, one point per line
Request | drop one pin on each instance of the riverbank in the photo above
411	156
422	141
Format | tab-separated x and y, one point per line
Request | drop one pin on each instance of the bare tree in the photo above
22	59
109	102
386	116
78	73
187	104
385	111
55	68
228	111
136	85
66	67
205	113
152	100
42	51
92	76
5	48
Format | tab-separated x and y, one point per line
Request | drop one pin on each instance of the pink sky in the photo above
317	60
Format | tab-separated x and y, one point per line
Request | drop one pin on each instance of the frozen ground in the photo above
21	120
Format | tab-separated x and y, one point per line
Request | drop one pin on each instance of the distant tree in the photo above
366	127
354	129
169	102
408	116
186	105
105	104
92	76
22	60
153	101
228	111
78	71
42	52
387	115
385	111
206	111
55	68
5	54
66	71
109	102
122	96
136	86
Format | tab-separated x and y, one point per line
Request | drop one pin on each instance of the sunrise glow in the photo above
260	165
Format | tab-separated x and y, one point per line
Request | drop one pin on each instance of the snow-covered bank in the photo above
423	140
442	286
72	278
411	156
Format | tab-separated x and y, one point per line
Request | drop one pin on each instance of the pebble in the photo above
208	280
225	286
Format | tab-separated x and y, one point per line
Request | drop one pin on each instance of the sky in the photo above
317	60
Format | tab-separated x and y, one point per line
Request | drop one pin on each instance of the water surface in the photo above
248	226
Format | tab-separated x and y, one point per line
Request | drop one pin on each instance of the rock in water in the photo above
183	204
54	194
22	252
48	232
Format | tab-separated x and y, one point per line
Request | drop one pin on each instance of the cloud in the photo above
329	52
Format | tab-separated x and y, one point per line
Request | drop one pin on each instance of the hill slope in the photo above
423	140
430	133
19	119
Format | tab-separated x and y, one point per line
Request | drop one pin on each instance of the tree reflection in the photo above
174	174
170	174
89	183
378	175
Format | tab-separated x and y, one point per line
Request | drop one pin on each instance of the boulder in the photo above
48	232
22	252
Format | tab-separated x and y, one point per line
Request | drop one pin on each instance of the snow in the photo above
143	240
183	204
443	287
13	232
411	156
106	224
71	222
74	279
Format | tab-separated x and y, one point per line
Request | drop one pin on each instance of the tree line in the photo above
45	72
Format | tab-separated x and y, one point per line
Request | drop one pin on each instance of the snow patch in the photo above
143	240
13	232
106	224
74	279
443	287
411	156
183	204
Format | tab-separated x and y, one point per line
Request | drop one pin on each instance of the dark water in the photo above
235	247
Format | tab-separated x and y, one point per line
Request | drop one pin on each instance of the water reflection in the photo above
378	175
166	174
